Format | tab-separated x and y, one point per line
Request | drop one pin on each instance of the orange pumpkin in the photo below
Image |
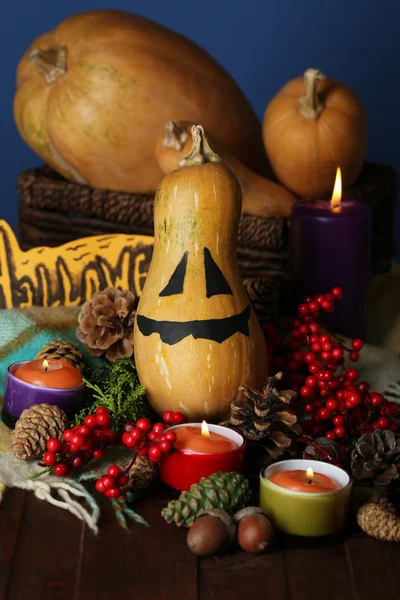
260	196
93	94
197	338
312	126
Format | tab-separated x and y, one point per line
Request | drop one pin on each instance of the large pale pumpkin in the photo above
197	338
93	94
312	126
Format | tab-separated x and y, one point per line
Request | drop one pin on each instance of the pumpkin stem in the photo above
310	103
201	152
51	63
175	136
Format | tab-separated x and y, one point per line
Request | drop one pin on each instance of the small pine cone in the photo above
142	473
106	324
35	426
60	350
379	522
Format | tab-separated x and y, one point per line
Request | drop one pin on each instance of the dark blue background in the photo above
261	43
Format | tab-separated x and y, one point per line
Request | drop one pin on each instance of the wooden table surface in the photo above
46	553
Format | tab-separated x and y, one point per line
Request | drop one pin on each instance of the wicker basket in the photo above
54	211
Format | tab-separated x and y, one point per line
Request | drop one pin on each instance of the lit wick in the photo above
45	365
310	474
205	432
337	192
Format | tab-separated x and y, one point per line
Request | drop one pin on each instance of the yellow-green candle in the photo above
306	513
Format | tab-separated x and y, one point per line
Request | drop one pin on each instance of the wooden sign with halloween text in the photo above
69	275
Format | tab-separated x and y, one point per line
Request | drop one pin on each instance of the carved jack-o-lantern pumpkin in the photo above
197	338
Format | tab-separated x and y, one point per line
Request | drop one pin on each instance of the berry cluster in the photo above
335	404
84	442
80	444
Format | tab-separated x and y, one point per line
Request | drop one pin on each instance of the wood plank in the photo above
317	568
11	512
47	557
150	563
375	566
239	575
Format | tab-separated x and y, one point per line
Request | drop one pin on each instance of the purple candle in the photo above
330	246
19	394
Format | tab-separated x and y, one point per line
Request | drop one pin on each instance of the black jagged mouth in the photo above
216	330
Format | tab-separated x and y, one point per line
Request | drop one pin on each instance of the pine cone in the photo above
142	473
264	417
60	350
227	491
376	457
106	324
380	522
35	426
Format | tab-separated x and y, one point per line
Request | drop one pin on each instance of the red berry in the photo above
332	404
331	435
54	445
128	427
60	470
74	449
325	355
158	428
166	446
306	391
303	309
314	367
327	305
324	392
170	436
84	430
143	425
128	440
353	399
123	479
77	440
352	375
337	292
103	419
324	337
77	462
101	410
311	381
155	454
316	347
90	421
313	306
109	436
309	408
314	328
136	435
363	387
340	431
113	492
324	413
99	485
354	356
338	420
98	453
108	482
309	357
67	435
152	436
337	353
49	458
297	356
114	471
179	418
383	423
357	344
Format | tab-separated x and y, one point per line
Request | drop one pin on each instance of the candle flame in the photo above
204	429
45	365
310	473
337	191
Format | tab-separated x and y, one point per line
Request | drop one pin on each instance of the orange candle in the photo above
304	481
49	373
201	440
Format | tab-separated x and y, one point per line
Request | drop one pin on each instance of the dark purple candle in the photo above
331	247
19	395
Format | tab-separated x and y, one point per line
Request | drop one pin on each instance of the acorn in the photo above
212	532
255	531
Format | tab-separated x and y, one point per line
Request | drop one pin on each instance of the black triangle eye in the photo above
215	281
175	284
